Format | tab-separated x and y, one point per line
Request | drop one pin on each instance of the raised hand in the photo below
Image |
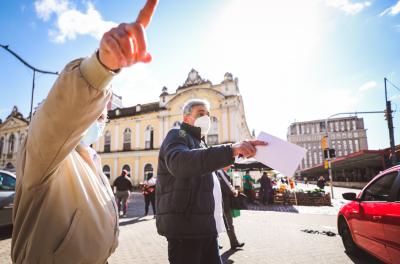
126	44
247	148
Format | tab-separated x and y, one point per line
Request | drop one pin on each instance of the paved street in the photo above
272	236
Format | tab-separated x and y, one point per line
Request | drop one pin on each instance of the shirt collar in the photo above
192	130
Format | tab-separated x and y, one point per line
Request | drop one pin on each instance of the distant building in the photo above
115	102
133	136
12	133
347	135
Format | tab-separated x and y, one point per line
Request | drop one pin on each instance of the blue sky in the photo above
295	60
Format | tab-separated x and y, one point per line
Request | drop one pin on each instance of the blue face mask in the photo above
94	132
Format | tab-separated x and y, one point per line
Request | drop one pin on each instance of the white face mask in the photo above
204	123
94	132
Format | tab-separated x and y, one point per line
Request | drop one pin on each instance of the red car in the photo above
371	221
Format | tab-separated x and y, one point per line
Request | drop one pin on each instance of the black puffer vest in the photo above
184	191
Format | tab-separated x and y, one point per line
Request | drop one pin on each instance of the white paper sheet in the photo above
280	155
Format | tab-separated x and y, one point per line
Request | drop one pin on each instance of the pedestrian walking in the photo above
321	182
149	193
123	186
266	189
305	181
228	192
248	183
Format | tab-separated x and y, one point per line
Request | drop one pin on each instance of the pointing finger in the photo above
146	13
137	33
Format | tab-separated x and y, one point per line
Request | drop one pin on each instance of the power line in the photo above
393	84
34	69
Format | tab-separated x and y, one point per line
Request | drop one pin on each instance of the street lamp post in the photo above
34	69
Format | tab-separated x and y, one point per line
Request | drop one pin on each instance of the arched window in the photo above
107	141
212	137
149	138
177	124
127	168
11	142
127	139
1	146
148	168
107	171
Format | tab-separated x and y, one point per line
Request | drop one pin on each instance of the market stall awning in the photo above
250	164
360	159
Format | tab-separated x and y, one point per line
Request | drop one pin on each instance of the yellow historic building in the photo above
12	132
133	136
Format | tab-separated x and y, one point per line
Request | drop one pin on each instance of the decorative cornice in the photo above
193	79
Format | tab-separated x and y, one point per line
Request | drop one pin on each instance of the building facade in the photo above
347	135
12	133
133	135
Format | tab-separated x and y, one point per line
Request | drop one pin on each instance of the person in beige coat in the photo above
64	208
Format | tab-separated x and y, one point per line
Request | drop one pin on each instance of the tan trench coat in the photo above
64	208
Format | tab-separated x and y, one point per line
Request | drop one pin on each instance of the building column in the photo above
167	125
137	133
224	124
233	126
115	168
5	148
161	131
137	170
116	148
16	143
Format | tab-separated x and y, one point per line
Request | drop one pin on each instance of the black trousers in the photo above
230	229
151	198
194	251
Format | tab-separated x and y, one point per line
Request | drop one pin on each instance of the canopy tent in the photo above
364	164
250	164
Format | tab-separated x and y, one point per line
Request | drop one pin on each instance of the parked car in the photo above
371	221
7	192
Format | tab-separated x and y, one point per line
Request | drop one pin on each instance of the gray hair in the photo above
188	106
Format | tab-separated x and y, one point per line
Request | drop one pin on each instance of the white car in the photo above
7	192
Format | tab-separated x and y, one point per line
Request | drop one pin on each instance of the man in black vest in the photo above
188	194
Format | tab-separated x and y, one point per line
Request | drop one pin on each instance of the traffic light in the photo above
331	152
324	142
326	164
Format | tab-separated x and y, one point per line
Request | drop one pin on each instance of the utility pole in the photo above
389	118
34	69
